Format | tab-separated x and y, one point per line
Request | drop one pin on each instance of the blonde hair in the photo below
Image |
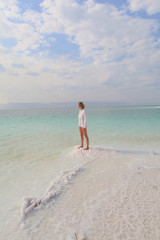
81	104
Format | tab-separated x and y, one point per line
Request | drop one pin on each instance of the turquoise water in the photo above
133	128
43	133
33	141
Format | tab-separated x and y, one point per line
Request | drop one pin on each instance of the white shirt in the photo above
82	119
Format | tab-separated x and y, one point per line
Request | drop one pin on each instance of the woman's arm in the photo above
84	120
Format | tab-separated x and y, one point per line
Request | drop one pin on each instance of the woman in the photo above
83	125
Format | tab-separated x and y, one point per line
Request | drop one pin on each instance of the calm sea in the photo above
33	143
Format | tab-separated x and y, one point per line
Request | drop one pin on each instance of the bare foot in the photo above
86	148
80	147
77	237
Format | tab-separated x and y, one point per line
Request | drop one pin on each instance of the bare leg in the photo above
86	137
76	236
81	134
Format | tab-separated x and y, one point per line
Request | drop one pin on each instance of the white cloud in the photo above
13	25
150	6
101	31
10	8
118	53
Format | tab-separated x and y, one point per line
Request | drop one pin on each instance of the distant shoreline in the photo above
71	104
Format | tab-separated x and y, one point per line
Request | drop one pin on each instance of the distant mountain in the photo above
63	105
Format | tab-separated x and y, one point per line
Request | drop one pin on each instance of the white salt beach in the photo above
116	196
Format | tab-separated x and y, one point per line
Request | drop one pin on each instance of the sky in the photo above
80	50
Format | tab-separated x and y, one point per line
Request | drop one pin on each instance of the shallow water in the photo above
37	144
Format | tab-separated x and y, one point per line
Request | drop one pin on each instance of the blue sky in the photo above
68	50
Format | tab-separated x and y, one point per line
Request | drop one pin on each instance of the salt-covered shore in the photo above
116	196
